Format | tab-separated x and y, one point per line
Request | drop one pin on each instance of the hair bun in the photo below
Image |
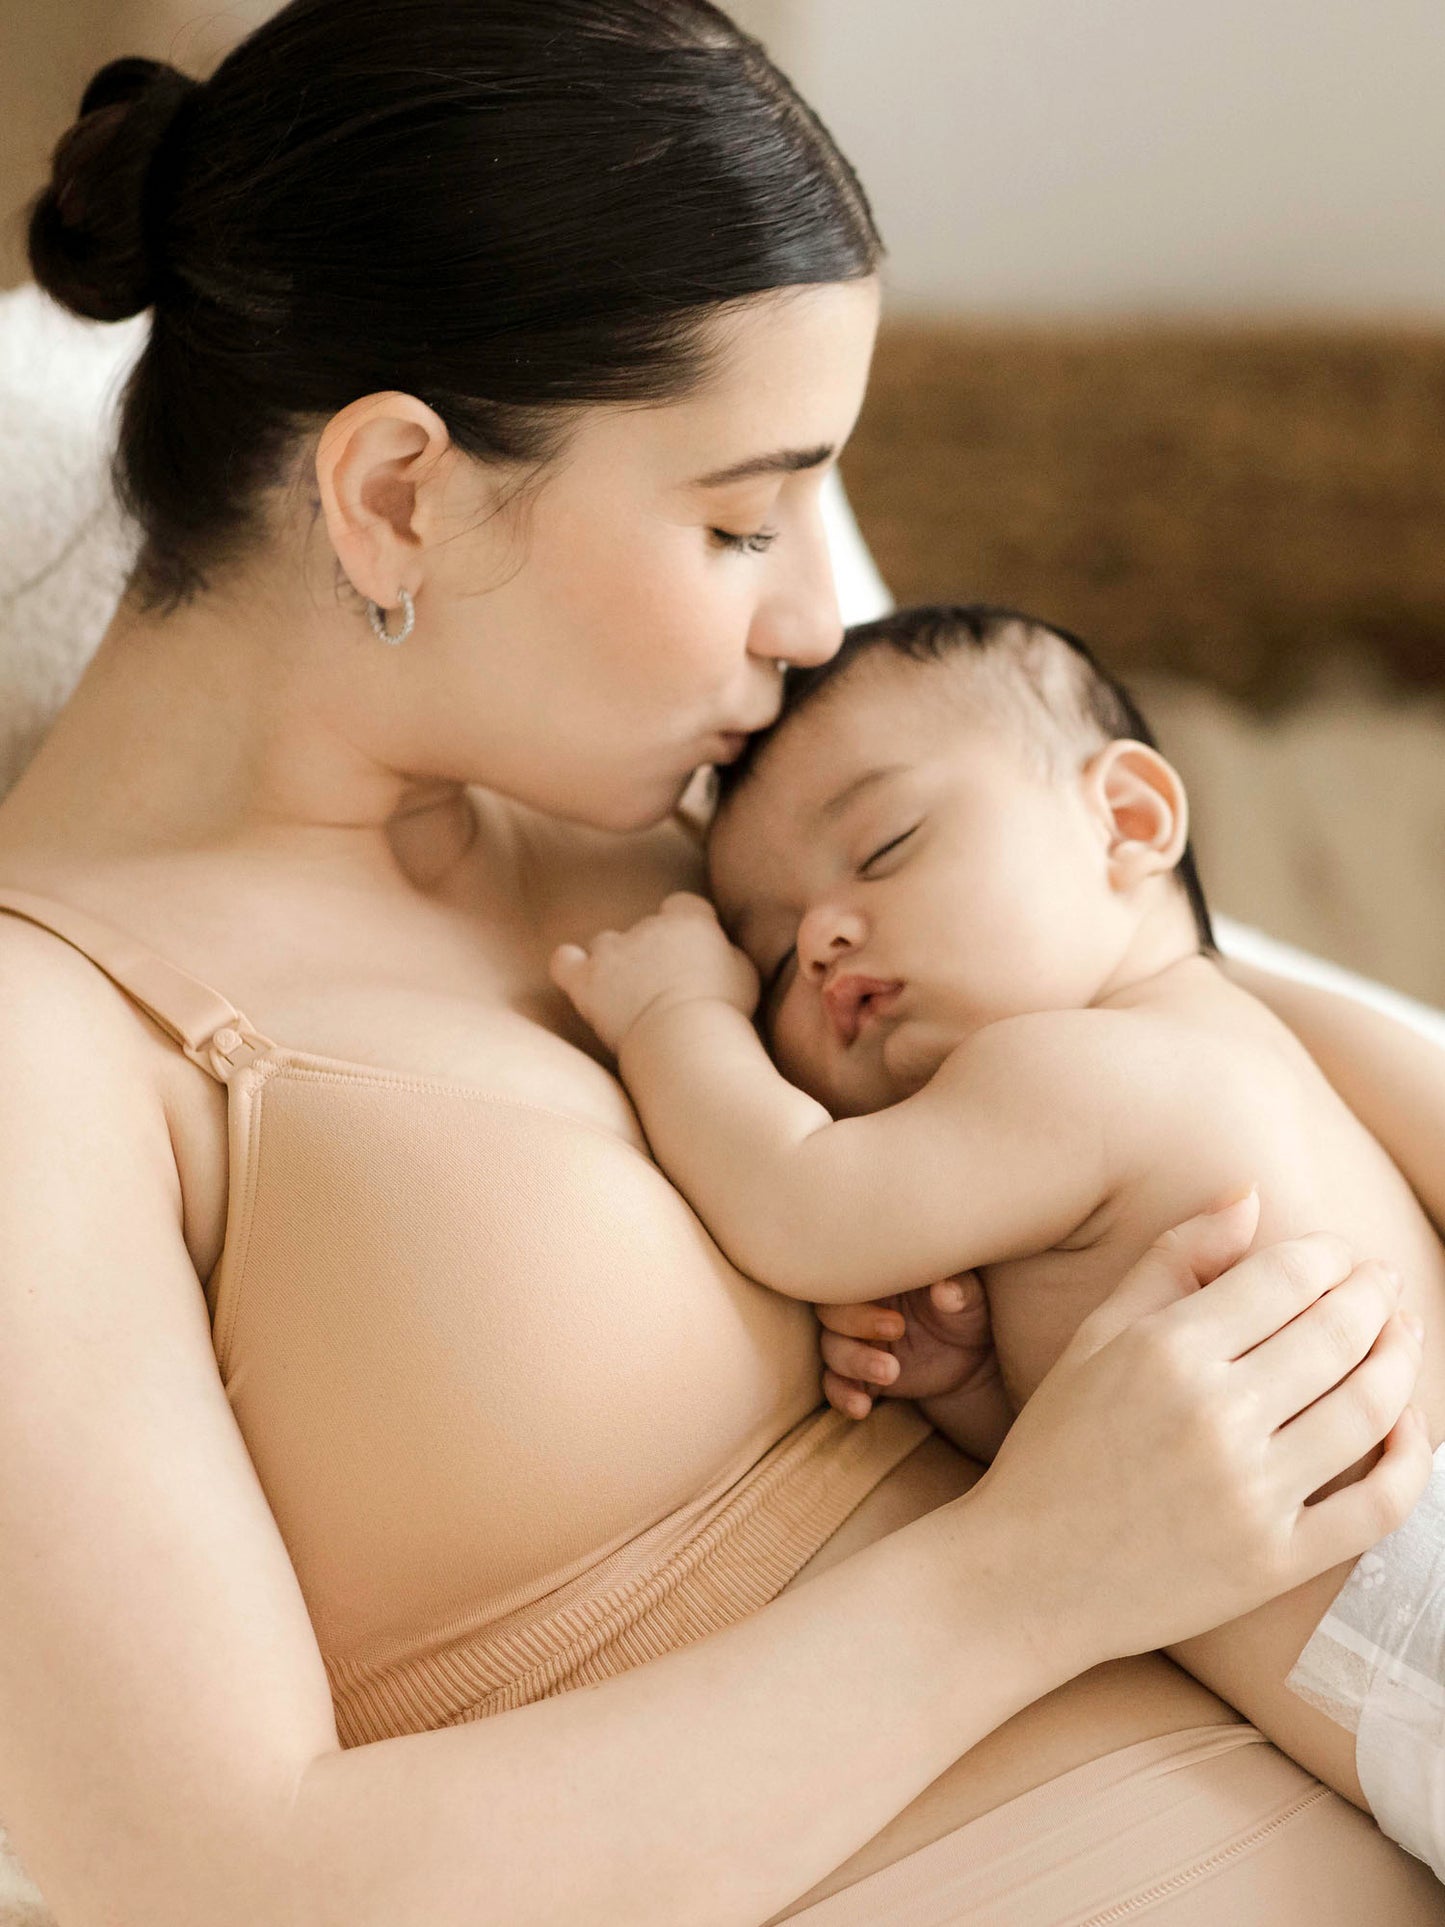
96	230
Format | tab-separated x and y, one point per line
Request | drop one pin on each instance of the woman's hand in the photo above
679	953
1156	1484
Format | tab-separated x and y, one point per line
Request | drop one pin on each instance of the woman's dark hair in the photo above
505	207
1030	649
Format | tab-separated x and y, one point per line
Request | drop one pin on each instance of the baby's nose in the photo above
826	933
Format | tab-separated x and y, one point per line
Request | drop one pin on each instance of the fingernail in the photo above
951	1297
1415	1326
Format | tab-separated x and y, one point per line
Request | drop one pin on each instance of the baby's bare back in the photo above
1224	1096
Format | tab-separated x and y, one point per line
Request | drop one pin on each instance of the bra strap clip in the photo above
228	1049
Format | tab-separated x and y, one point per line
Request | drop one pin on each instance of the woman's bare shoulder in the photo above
49	990
68	1034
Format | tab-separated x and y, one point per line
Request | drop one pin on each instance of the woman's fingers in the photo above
1321	1345
849	1358
1190	1255
1262	1293
1353	1519
1352	1418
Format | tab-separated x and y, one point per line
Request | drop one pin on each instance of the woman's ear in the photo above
1140	803
376	467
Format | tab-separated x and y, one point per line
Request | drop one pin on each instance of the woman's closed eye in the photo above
757	543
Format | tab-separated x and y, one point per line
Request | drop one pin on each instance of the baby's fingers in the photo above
848	1358
566	965
864	1320
687	903
847	1396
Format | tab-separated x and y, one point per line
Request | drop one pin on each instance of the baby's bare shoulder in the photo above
1144	1075
1103	1048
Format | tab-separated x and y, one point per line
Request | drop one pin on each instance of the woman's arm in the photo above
698	1788
1391	1076
167	1746
1393	1079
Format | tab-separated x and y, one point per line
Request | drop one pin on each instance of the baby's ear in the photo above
1139	800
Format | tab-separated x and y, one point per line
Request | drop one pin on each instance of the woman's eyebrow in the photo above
782	461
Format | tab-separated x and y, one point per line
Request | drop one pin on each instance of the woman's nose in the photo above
799	622
795	634
826	933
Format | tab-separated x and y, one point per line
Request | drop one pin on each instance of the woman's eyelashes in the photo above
758	543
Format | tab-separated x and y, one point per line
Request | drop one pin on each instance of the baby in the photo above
957	870
1000	1041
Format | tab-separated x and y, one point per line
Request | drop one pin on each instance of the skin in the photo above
1054	1077
376	851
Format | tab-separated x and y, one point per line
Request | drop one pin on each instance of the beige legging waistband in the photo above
1211	1827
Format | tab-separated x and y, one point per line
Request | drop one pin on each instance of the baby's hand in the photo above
672	957
917	1344
933	1345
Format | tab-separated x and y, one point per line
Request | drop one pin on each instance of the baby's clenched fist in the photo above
678	954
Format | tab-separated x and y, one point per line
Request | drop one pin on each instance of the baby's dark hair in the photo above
1042	681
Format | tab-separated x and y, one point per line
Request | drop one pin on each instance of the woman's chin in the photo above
628	808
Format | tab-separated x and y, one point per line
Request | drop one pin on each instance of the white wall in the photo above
1224	156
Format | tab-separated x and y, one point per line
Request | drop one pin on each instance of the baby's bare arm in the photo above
1006	1151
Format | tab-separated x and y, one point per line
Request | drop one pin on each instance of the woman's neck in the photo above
214	732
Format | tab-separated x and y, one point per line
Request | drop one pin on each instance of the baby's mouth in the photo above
855	1001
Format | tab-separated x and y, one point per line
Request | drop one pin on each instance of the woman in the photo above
367	1387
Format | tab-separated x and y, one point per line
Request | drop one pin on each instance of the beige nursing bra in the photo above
520	1424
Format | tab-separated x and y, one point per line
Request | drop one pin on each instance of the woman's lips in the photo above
853	1001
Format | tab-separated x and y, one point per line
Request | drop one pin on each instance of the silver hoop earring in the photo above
377	617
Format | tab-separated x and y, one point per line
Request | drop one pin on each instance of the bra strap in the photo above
208	1028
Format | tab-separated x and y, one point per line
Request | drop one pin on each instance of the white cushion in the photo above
1254	947
65	549
861	591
